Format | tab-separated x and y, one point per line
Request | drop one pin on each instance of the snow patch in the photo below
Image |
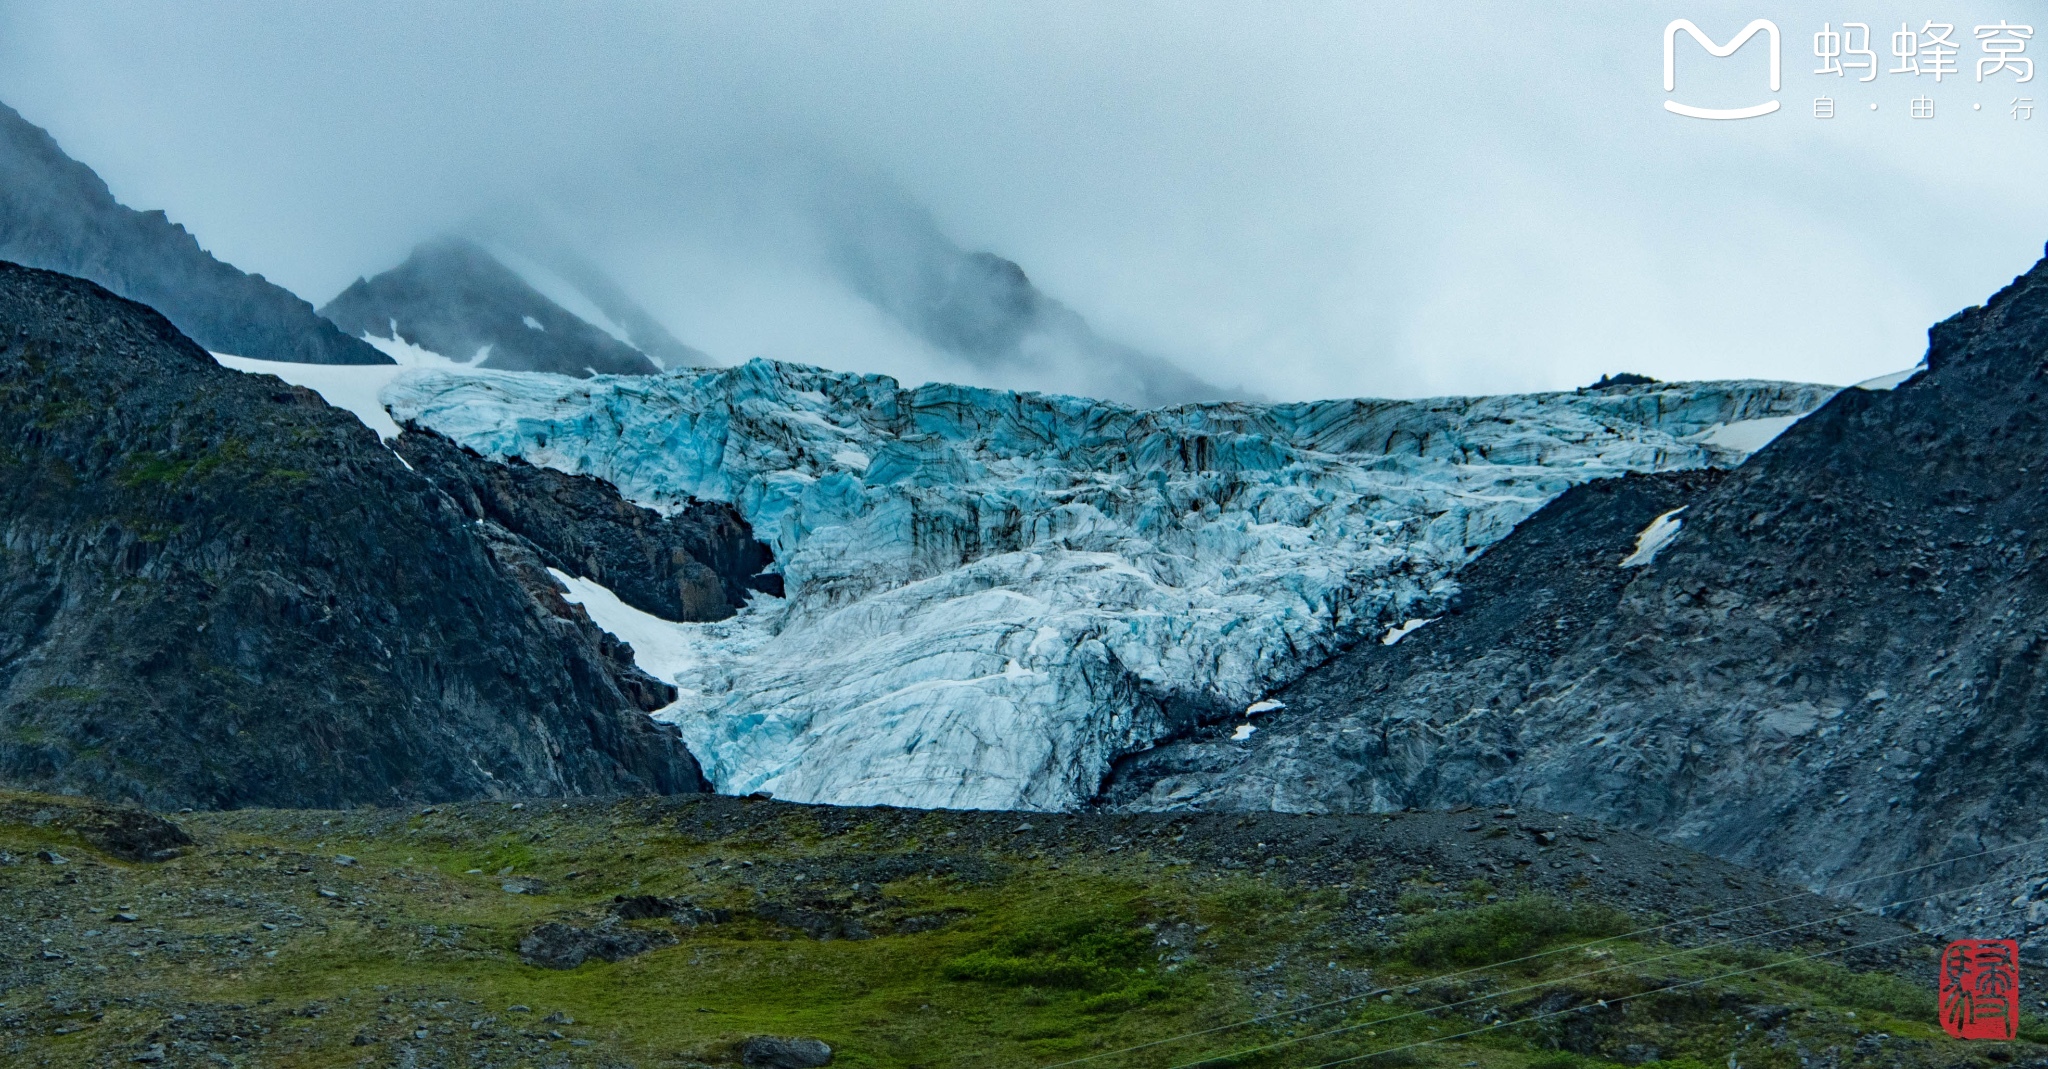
1655	537
1266	706
406	354
1243	732
532	324
1893	380
1396	634
354	387
1748	435
357	388
662	648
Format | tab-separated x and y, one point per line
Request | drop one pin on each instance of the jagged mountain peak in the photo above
453	297
57	214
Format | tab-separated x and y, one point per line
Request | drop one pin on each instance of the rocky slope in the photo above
1834	669
698	563
1528	599
675	932
452	297
215	590
992	596
56	214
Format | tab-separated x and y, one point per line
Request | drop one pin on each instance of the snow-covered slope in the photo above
356	388
991	595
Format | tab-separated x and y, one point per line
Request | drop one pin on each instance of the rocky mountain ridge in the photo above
217	591
698	563
1834	669
56	214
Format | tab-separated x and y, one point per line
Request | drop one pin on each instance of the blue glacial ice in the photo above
992	596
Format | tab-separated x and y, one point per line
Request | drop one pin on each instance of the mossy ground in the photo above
387	937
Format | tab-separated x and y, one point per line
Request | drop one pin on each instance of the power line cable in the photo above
1262	1018
1292	1040
1604	1003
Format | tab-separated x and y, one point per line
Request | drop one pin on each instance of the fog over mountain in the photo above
1299	201
981	307
551	253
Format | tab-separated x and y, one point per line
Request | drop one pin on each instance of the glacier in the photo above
992	596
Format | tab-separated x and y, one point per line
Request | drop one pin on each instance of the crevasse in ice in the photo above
993	595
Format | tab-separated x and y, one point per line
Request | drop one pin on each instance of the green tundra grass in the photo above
392	937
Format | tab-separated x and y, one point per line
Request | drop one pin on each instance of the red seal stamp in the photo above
1980	989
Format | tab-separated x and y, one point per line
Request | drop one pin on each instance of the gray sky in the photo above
1303	199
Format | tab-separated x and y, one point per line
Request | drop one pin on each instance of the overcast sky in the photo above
1306	200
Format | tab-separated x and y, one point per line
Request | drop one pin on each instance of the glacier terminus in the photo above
991	596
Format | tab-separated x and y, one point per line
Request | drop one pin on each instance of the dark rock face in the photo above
698	564
217	591
516	558
1520	606
1625	378
824	923
783	1052
56	214
562	946
1837	669
454	298
134	834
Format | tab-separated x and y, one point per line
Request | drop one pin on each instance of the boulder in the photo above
562	946
784	1052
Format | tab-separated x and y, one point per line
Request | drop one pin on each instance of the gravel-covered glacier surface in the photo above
991	596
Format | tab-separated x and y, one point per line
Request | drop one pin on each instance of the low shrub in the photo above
1095	952
1502	932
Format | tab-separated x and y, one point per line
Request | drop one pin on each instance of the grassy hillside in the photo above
902	938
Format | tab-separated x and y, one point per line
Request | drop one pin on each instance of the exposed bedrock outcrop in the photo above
216	590
1835	669
697	563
